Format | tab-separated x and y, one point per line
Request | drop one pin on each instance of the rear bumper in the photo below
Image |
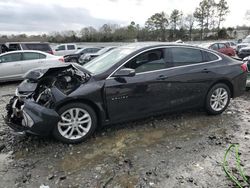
31	117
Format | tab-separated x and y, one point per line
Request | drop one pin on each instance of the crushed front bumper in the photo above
28	116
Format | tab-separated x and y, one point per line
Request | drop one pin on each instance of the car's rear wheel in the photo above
218	99
78	122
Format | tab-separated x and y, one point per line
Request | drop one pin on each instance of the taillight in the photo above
51	52
61	59
244	67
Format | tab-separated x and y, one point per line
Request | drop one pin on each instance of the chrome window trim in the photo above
170	68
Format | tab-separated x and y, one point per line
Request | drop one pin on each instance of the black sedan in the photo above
75	56
127	83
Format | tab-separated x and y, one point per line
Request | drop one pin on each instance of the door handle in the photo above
205	71
162	77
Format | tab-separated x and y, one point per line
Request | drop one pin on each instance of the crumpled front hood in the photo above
38	73
35	76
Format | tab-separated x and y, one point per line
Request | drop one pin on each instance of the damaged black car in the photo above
127	83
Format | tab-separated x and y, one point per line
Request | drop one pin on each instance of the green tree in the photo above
200	15
175	19
158	23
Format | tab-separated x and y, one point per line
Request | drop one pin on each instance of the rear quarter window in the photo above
210	56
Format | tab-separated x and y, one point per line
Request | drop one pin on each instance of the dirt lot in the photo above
178	150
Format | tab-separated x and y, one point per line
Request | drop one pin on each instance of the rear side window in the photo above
186	56
10	58
71	47
32	56
13	47
40	47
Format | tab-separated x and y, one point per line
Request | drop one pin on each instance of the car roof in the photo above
27	43
35	51
143	45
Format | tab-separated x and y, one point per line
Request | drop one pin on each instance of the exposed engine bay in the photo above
43	87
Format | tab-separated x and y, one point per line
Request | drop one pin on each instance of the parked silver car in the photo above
13	65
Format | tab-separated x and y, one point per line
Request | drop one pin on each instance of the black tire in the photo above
210	110
92	114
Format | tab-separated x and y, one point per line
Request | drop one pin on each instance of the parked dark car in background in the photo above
89	56
3	48
130	82
220	47
244	52
245	42
40	46
75	56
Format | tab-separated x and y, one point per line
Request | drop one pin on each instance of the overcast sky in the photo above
40	16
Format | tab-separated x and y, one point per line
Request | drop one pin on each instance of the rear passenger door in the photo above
31	60
190	77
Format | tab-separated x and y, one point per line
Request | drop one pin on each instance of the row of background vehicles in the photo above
13	63
17	58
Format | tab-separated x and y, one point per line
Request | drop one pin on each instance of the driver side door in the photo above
142	94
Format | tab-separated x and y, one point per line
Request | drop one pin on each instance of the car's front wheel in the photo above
218	99
78	122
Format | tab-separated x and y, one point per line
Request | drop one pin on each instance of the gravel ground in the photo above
177	150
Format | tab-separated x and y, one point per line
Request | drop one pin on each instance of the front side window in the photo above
186	56
60	48
71	47
32	56
148	61
214	47
13	47
11	58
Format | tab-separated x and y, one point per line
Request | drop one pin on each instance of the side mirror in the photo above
126	72
57	49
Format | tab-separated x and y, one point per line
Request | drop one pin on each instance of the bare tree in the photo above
189	24
222	11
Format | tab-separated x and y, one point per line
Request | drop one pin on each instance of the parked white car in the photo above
65	49
13	65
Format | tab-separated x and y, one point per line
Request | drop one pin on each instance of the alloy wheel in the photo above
219	99
75	123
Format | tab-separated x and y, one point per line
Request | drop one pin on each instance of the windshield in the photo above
79	51
107	60
102	51
247	40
